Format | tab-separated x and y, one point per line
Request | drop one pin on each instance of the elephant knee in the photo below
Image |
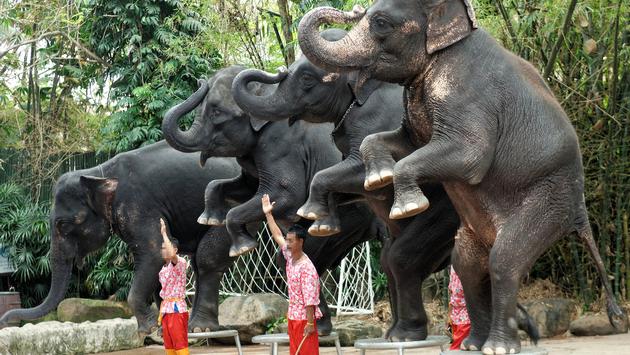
369	142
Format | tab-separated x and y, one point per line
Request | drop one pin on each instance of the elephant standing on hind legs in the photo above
417	246
276	159
486	125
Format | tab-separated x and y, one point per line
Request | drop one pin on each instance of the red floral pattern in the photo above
459	313
173	280
303	283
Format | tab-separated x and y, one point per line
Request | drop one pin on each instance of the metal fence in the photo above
15	166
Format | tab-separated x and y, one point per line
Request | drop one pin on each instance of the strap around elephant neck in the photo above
343	118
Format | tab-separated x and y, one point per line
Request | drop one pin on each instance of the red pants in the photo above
175	333
296	334
460	332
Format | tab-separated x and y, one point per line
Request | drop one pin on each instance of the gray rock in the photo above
552	315
71	338
251	315
350	330
79	310
590	325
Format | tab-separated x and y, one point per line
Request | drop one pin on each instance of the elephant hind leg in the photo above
470	260
520	241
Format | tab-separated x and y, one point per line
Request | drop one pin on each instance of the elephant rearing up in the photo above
484	123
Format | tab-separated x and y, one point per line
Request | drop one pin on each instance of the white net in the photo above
347	289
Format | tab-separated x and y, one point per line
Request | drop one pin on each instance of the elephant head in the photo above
80	222
392	41
220	127
305	91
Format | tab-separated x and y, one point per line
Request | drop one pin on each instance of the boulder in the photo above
79	310
589	325
350	330
71	338
251	315
552	315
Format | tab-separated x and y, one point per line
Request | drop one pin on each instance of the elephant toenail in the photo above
202	220
412	206
311	215
500	351
486	351
512	351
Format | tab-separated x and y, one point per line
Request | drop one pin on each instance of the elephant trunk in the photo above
61	274
271	107
352	52
190	140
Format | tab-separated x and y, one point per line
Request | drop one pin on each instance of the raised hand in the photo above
267	206
168	246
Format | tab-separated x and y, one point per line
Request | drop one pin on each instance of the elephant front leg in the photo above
219	192
145	282
380	152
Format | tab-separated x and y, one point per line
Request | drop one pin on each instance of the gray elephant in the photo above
417	246
128	195
483	122
276	159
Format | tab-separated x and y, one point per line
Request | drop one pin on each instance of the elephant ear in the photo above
100	194
448	23
362	89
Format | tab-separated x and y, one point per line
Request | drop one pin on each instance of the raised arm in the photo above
170	250
276	233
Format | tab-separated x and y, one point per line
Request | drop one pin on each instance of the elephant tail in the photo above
527	324
616	316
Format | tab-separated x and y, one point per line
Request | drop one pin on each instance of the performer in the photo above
173	310
303	283
458	315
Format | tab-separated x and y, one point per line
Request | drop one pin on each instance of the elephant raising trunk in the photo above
353	52
188	141
61	273
267	107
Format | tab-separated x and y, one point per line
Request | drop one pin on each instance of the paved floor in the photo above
608	345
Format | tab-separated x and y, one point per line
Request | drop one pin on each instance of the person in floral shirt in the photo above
458	315
303	283
173	309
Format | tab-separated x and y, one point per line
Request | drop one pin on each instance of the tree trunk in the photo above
283	7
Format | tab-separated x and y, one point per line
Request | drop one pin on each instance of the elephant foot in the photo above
379	172
147	326
242	245
212	218
408	205
325	227
313	210
324	327
501	345
473	342
202	327
397	334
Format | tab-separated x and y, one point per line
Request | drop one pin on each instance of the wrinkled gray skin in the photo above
276	159
417	246
128	195
482	121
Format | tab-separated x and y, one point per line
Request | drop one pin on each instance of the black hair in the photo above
298	230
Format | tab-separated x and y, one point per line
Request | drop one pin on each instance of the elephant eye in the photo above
307	81
381	26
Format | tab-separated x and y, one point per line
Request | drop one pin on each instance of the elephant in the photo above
276	159
482	121
127	195
417	246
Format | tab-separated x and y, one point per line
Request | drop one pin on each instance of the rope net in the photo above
346	288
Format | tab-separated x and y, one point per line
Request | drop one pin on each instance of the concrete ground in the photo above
604	345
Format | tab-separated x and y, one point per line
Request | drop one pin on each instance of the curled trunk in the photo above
352	52
190	140
61	273
271	107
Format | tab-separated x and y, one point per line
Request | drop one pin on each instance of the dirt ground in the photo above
605	345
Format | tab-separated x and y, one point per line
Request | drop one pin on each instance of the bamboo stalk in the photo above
556	47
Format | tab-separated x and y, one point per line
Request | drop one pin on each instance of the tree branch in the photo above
563	32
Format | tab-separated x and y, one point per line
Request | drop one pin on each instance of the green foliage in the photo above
155	61
111	270
25	239
273	324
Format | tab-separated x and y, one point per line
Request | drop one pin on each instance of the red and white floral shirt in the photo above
303	283
173	293
459	313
